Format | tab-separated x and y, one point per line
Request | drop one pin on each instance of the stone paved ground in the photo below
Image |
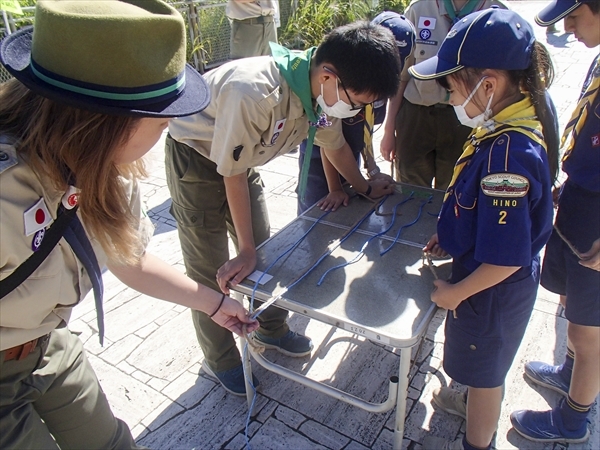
150	361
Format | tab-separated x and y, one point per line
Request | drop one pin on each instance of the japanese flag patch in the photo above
427	23
277	129
37	217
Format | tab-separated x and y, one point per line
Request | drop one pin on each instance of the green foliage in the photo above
313	19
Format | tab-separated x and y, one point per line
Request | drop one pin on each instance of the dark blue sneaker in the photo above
232	380
547	376
290	344
546	426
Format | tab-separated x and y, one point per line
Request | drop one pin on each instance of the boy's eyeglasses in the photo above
353	106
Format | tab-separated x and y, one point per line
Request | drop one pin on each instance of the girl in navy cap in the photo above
497	212
572	258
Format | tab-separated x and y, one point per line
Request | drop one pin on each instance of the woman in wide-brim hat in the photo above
95	83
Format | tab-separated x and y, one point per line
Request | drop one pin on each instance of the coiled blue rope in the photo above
423	203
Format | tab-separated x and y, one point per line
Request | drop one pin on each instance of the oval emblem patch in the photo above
505	185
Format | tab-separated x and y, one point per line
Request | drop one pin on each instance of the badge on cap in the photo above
427	22
71	197
37	217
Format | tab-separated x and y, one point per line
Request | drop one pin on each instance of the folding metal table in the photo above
385	299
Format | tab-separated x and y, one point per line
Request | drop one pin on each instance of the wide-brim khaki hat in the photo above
118	57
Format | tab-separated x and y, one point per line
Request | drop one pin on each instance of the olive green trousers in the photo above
52	399
199	205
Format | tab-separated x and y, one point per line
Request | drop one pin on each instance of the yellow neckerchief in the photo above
519	117
368	132
580	113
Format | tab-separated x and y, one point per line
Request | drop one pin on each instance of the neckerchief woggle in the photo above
465	11
519	117
295	69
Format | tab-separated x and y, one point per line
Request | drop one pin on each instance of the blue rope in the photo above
423	203
292	248
363	248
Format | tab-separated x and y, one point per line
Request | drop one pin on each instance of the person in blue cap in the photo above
324	184
571	265
497	211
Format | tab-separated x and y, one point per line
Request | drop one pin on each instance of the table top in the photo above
383	298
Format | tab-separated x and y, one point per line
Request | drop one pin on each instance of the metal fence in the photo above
208	30
207	26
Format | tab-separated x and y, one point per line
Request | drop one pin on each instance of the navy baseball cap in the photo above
403	30
556	10
491	39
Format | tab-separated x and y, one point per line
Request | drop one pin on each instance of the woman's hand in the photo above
233	316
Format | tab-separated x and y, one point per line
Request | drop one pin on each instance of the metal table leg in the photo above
403	373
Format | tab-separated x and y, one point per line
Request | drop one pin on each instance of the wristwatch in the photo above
372	173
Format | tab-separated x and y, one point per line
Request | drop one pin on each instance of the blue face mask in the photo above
339	109
477	121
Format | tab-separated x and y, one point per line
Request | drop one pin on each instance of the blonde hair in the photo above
66	144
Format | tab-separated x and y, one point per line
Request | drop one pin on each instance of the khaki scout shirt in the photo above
252	118
241	10
46	298
432	24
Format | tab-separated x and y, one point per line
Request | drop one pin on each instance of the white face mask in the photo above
477	121
339	109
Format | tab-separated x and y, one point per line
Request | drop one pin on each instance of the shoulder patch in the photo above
8	157
505	185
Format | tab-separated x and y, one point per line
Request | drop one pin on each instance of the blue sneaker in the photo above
547	376
232	380
290	344
546	426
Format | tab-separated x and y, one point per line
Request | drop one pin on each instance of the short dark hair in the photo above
594	5
364	56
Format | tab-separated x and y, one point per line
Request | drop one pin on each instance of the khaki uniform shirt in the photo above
46	298
252	118
240	10
432	24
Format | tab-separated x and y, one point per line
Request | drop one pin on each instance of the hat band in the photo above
142	94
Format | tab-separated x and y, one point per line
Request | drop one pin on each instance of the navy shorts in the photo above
578	219
482	341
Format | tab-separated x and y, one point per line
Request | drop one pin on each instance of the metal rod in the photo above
403	372
330	390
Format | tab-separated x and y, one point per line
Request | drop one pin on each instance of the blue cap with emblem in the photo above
492	39
403	31
556	10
